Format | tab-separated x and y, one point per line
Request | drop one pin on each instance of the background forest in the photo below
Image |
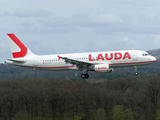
27	94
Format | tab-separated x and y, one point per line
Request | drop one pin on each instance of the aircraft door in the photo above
134	55
35	61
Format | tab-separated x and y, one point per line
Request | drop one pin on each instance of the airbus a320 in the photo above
91	61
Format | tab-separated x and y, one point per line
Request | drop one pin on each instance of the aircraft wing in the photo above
78	63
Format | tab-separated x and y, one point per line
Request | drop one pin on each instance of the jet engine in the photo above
103	68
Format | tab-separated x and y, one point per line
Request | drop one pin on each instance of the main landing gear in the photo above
83	76
135	69
86	75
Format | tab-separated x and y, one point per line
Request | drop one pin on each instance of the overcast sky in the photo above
69	26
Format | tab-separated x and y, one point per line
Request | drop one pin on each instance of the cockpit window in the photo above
145	54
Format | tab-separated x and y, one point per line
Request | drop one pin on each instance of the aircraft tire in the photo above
86	76
83	76
136	73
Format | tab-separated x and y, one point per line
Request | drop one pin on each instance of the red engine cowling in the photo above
103	68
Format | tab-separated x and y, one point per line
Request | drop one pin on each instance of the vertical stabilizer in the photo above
18	49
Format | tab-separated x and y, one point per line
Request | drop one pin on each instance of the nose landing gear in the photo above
135	69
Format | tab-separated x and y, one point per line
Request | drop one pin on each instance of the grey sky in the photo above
68	26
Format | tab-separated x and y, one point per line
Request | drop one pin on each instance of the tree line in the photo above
15	72
128	98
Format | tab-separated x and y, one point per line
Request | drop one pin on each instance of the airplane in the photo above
91	61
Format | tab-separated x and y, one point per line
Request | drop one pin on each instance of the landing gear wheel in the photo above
83	76
87	76
136	73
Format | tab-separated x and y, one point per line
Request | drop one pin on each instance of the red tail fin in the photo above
17	47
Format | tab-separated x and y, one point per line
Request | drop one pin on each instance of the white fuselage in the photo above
114	59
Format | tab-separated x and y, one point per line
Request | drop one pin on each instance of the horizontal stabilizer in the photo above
16	60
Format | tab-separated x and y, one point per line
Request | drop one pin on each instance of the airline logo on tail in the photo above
19	45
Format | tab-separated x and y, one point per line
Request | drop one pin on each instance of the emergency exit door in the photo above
134	56
35	61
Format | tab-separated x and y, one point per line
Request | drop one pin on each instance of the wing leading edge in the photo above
78	63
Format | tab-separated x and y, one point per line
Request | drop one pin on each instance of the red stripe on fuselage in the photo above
51	67
23	48
131	63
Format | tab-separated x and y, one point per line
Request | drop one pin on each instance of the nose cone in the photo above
153	59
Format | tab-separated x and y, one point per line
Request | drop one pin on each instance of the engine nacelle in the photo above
103	68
